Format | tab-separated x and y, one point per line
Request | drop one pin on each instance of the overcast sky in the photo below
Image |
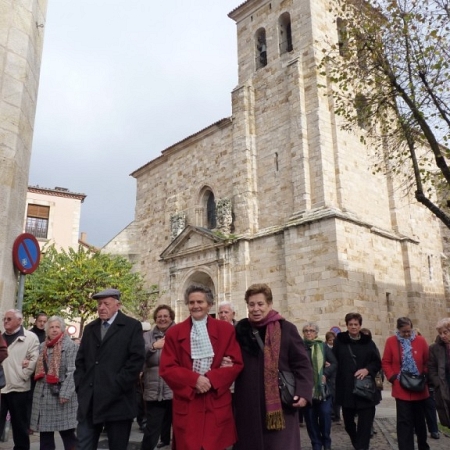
121	80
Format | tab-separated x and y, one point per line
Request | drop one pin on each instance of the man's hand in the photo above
203	385
25	363
226	362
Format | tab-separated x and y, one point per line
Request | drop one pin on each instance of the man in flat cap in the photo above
108	363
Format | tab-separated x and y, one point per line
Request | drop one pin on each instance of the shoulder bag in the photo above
363	388
286	379
409	381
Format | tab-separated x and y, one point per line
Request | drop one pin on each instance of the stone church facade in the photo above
278	193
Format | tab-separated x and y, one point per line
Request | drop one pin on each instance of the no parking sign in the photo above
26	253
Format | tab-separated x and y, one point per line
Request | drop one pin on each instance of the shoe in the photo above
162	444
435	435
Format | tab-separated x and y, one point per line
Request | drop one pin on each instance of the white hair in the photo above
225	303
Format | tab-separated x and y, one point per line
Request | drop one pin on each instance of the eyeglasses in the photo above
309	331
7	319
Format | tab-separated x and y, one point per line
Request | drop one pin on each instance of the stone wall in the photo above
21	39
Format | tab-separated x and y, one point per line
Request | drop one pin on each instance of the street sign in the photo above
26	253
335	330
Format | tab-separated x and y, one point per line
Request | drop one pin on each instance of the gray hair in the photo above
16	312
199	288
55	319
311	325
443	324
225	303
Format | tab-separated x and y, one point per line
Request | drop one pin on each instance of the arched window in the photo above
210	211
285	33
261	48
342	36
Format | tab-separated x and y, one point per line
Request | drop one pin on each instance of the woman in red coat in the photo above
200	361
407	351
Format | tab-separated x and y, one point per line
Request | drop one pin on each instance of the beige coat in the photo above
18	377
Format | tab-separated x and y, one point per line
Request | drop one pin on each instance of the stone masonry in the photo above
308	215
21	38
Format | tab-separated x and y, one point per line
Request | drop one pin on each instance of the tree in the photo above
389	76
65	281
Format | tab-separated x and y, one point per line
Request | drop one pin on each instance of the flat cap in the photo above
115	293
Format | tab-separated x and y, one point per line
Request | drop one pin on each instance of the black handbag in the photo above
411	382
286	379
363	388
286	385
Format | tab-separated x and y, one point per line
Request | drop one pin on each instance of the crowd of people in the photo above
216	384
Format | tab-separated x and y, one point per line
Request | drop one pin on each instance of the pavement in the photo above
384	439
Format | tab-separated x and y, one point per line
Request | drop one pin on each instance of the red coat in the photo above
391	364
201	420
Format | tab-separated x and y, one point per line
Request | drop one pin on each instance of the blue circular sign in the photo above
26	253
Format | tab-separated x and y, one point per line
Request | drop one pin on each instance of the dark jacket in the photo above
330	370
249	389
367	357
440	378
39	333
106	371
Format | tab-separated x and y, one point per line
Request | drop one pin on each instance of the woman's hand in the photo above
159	344
226	362
361	374
203	385
63	400
300	402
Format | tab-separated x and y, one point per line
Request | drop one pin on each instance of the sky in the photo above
121	80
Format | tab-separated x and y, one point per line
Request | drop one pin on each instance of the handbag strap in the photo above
258	338
352	355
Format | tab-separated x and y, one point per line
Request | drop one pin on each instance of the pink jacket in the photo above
391	364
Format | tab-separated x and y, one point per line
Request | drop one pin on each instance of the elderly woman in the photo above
357	357
54	400
262	422
407	352
439	370
200	361
157	394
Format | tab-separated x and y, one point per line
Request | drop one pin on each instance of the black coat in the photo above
106	371
367	357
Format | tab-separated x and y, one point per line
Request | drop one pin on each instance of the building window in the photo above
284	26
362	111
210	211
37	220
261	48
342	36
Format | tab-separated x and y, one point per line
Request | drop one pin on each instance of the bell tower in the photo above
22	27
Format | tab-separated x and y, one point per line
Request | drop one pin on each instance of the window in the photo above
211	211
284	26
37	220
261	48
342	36
362	110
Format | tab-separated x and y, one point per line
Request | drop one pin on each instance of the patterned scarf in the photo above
274	411
202	352
52	374
408	363
318	361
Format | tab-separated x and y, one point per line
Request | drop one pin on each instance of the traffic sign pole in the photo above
21	291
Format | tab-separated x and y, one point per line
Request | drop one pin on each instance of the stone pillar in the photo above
22	27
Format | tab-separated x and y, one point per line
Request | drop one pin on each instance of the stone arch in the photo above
285	33
260	48
198	275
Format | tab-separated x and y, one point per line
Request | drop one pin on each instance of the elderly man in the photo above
227	312
108	363
23	351
201	359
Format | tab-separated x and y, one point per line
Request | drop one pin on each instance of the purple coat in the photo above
250	409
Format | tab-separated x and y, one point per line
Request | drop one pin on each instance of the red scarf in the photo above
272	343
52	373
